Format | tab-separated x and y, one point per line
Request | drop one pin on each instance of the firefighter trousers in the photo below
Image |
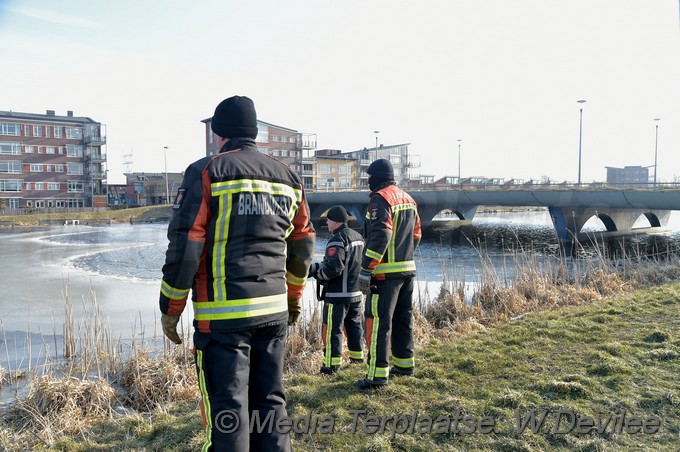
239	375
389	320
336	317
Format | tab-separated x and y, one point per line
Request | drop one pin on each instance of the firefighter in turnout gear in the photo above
338	273
241	240
392	233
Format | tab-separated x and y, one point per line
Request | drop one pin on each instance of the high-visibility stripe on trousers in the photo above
336	318
389	320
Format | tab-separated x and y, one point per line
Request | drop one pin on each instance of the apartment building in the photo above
282	143
327	169
51	161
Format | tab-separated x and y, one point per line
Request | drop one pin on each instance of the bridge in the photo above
570	209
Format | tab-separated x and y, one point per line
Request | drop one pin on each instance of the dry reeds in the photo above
56	406
153	381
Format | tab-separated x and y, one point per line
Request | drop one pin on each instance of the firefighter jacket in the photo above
240	238
340	267
392	233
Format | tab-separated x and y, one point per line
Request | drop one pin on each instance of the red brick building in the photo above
51	161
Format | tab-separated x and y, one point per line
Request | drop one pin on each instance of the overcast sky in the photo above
503	76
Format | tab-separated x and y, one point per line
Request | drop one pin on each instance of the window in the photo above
11	185
59	168
345	170
48	168
39	203
10	148
323	169
13	203
10	166
73	133
75	186
284	153
74	151
276	138
59	203
39	185
262	133
53	185
75	202
57	132
36	168
7	128
30	149
50	150
291	139
74	168
47	131
37	131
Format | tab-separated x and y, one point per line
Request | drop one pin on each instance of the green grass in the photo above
594	360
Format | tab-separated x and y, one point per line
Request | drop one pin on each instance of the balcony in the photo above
96	140
96	157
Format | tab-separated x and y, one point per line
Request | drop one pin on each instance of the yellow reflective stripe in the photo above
329	326
373	255
291	278
403	362
220	247
336	361
353	354
368	216
239	309
394	267
374	338
173	293
381	372
205	400
255	186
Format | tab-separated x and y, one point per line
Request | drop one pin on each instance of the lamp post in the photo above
459	140
656	145
167	189
376	132
580	134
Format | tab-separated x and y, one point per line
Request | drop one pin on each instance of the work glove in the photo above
169	324
313	270
294	310
365	281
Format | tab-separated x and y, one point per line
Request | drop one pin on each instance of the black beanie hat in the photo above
235	117
382	169
338	213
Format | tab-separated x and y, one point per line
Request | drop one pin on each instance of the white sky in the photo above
501	75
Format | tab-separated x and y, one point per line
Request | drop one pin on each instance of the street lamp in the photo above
376	132
167	189
459	140
580	134
656	146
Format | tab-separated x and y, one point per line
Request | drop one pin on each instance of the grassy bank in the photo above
113	216
598	360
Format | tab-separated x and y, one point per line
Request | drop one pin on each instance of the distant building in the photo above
148	189
51	161
628	176
282	143
327	169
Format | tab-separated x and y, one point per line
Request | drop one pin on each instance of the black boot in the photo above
365	384
329	370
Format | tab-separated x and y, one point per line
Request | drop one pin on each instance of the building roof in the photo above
44	117
207	120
